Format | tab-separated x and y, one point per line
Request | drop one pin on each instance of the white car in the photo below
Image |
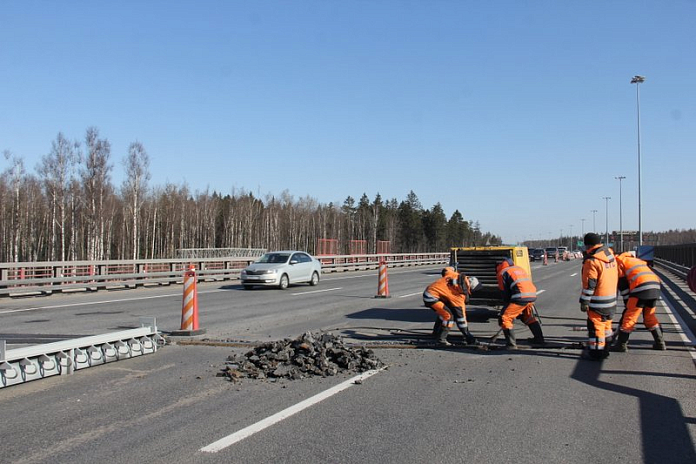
280	269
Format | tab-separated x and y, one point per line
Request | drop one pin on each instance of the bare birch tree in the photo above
135	188
96	182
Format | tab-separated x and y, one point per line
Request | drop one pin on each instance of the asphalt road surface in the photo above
428	405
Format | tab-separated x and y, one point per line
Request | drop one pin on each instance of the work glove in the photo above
584	307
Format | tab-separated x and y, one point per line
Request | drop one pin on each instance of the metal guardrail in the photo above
25	364
47	277
678	269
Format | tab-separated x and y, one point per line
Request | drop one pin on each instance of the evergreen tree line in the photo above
70	210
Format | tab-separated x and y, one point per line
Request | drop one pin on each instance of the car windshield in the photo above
274	258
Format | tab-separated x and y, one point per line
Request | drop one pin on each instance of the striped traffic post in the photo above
189	306
383	282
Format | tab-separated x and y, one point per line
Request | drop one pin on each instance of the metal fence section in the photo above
48	277
683	255
196	253
21	365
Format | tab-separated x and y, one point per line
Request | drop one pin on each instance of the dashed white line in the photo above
284	414
317	291
410	294
573	275
540	291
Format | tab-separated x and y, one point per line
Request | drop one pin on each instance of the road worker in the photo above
519	295
640	288
447	297
600	276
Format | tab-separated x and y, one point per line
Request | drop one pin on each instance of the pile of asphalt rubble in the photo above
312	354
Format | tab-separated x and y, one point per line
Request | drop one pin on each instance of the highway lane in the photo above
429	405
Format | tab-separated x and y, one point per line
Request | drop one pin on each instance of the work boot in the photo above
442	338
621	345
437	328
510	342
538	339
659	340
469	337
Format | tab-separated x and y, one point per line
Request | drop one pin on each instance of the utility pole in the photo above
594	224
621	246
606	220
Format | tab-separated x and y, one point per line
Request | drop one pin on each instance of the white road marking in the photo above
284	414
410	294
686	335
540	291
89	303
573	275
317	291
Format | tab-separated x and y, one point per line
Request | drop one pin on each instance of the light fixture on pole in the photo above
606	219
639	80
621	246
594	224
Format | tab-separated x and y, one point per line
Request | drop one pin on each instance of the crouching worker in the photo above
640	288
447	297
519	295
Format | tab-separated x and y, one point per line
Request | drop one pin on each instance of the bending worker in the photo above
600	277
640	288
519	295
447	296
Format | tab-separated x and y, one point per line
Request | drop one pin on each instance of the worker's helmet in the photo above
474	284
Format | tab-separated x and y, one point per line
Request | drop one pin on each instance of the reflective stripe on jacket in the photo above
637	274
516	285
600	279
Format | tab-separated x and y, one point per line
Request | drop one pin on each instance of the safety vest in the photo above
516	285
637	274
600	277
445	288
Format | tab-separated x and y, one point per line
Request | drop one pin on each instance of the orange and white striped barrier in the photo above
546	260
383	283
189	306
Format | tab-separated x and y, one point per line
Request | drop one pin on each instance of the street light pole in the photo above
583	226
570	239
621	247
594	224
606	219
639	80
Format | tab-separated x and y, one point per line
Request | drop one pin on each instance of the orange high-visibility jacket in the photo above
636	278
600	278
516	285
445	288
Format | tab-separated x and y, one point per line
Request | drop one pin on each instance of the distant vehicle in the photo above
281	269
551	252
536	254
563	253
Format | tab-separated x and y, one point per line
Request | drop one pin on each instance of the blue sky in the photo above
517	113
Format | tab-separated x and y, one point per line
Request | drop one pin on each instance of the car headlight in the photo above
270	271
243	272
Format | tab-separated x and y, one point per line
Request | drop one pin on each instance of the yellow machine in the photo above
480	262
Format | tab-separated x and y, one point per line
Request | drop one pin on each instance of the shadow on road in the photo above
664	431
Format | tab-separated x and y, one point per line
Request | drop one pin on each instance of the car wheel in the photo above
315	280
284	282
248	287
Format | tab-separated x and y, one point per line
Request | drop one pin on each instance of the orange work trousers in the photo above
598	330
634	308
513	311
